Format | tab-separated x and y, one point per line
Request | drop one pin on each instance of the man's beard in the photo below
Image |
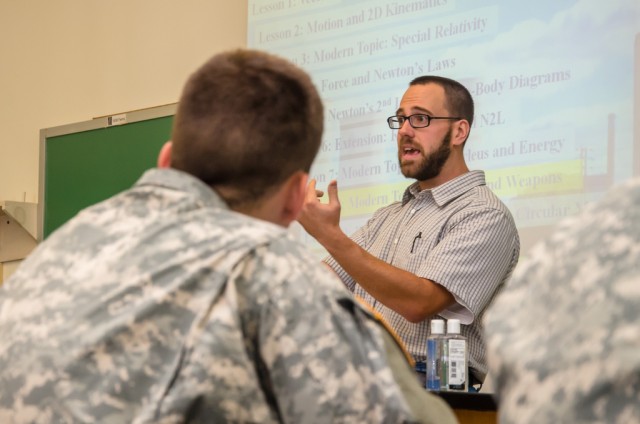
431	165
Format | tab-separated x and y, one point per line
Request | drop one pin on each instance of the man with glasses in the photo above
446	249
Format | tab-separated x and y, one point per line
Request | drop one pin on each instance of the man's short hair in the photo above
246	121
458	99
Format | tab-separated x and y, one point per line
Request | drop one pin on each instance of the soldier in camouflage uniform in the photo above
564	336
164	304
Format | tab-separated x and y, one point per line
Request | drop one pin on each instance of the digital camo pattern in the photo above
564	336
160	305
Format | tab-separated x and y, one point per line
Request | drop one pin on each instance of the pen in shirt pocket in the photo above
413	244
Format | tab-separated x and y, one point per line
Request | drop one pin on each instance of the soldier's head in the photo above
247	123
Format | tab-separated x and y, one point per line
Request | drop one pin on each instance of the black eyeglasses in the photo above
418	120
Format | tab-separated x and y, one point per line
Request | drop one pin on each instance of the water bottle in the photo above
435	352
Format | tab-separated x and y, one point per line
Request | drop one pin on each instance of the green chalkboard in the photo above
84	163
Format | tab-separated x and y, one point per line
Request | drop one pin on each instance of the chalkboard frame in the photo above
108	123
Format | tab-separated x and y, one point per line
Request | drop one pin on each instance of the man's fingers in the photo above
311	190
333	192
314	194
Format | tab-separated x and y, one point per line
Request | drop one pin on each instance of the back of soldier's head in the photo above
246	121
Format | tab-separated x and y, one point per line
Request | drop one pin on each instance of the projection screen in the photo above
555	83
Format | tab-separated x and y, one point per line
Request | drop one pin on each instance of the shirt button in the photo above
395	241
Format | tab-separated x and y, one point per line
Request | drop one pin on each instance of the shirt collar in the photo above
182	181
448	191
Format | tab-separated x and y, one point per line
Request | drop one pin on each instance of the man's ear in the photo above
296	188
164	157
460	132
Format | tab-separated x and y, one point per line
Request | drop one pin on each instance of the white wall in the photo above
67	61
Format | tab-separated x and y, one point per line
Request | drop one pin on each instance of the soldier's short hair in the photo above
246	121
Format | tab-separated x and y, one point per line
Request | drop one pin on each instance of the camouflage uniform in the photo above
162	305
564	336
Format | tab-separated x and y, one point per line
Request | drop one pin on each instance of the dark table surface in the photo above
470	401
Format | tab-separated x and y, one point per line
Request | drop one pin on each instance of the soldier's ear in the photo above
296	189
164	157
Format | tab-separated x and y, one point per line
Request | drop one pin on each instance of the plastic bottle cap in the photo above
437	326
453	326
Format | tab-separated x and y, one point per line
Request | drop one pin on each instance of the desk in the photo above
471	408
